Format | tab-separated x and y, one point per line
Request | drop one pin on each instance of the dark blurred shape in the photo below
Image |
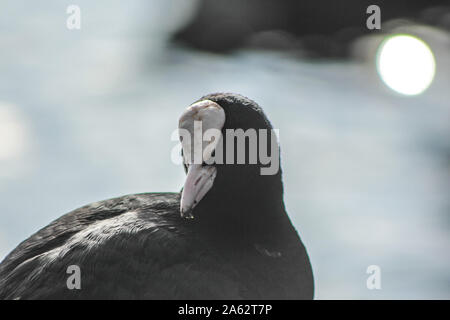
319	28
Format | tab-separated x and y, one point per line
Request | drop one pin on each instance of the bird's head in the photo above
230	153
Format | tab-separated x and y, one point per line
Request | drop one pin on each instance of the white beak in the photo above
199	181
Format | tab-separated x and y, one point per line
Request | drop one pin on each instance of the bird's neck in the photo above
255	215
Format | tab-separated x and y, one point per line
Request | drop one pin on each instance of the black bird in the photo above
232	240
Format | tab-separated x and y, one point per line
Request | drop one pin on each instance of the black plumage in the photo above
241	244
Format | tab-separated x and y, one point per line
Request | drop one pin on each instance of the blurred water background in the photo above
88	114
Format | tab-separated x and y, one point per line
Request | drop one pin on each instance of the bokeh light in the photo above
12	133
406	64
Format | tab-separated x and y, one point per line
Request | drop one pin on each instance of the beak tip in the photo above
187	214
198	182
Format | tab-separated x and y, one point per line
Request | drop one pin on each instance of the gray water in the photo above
88	115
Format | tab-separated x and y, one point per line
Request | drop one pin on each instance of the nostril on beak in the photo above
197	181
